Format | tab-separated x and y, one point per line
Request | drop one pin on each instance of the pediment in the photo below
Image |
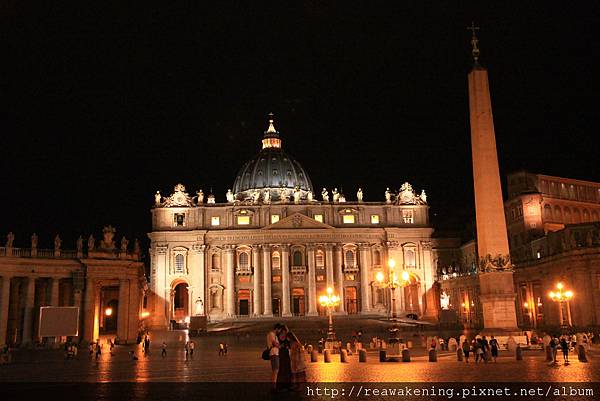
297	220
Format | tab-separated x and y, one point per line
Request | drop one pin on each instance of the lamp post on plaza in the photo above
562	297
392	283
330	301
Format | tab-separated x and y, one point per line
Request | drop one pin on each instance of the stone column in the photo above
365	279
54	291
77	302
28	311
134	310
230	281
197	273
312	283
89	311
4	303
285	281
256	281
267	302
159	287
329	264
431	307
123	314
339	273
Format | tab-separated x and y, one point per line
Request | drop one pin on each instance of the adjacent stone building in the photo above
106	284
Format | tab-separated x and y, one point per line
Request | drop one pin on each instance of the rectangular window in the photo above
243	220
276	279
348	219
179	219
215	221
274	218
374	219
350	277
318	217
320	277
407	216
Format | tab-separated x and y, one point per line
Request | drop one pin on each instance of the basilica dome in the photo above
271	169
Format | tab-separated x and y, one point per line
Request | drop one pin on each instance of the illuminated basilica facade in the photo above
275	246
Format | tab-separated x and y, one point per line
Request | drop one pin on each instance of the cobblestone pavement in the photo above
243	363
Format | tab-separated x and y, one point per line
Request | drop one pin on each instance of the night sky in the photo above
102	107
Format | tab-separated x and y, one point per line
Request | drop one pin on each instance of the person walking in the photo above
111	347
191	349
225	346
478	350
485	345
91	349
221	349
297	361
186	348
98	349
494	348
147	346
554	348
273	347
466	348
564	345
164	350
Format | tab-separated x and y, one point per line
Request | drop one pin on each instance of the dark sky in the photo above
103	106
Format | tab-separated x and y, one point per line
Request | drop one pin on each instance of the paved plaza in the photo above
243	364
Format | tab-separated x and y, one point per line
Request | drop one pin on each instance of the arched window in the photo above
179	264
594	215
275	260
567	214
586	216
244	261
547	212
409	257
350	260
297	258
576	216
216	261
558	217
376	258
319	259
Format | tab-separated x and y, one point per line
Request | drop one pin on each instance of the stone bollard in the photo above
459	355
382	355
549	357
314	356
405	355
309	349
343	356
581	353
519	353
432	355
362	355
327	356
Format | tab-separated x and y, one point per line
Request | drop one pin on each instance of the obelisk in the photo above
497	293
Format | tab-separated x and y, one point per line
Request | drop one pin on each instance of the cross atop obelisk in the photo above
474	41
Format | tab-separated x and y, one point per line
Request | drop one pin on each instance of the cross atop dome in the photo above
474	42
271	137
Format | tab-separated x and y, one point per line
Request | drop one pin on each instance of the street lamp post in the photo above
562	297
392	283
330	301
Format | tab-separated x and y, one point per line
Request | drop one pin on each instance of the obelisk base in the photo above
497	298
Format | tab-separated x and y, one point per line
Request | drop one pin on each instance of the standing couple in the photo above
286	354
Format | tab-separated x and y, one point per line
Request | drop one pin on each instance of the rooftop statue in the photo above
229	196
57	242
297	194
359	195
157	198
200	194
179	198
10	238
309	196
336	195
108	233
34	241
79	243
124	244
91	243
267	196
325	195
388	196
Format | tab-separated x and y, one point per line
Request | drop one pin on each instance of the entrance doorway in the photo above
244	302
275	304
180	302
351	300
111	314
298	301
